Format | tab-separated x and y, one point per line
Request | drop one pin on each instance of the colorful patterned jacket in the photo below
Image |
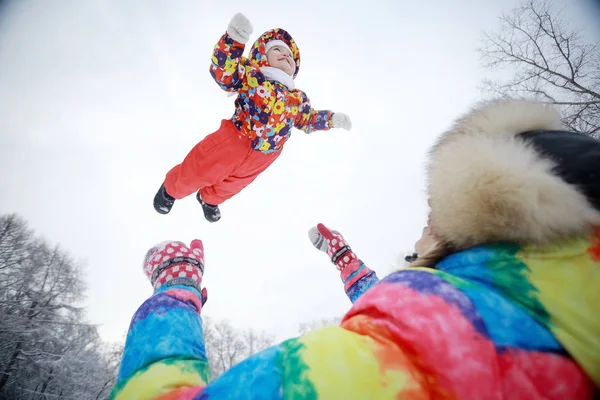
492	322
265	110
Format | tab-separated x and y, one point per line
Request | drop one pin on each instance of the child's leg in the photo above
246	173
211	161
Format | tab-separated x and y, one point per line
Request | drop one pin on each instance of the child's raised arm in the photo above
309	119
228	66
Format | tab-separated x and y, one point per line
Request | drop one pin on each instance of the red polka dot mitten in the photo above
352	269
173	263
333	244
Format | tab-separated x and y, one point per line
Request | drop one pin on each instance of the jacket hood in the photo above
507	171
258	55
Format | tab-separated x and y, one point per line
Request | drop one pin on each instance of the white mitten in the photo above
239	28
341	120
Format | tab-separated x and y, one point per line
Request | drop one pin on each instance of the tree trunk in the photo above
13	357
10	365
47	381
102	390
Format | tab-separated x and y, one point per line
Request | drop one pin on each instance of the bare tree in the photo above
255	341
47	349
318	323
227	345
552	61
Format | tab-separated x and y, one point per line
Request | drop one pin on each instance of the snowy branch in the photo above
47	349
548	61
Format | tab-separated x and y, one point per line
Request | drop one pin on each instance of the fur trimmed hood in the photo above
508	171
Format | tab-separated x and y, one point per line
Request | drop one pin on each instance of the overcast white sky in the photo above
98	99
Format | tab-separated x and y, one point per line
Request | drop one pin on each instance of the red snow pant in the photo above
220	166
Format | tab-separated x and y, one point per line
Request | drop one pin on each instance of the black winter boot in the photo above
211	213
163	202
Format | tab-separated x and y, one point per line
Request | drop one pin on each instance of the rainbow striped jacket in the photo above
491	322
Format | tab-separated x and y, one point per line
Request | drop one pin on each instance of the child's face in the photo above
279	57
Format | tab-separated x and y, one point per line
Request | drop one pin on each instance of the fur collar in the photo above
488	184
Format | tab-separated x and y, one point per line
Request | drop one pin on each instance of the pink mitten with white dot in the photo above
173	263
356	276
334	244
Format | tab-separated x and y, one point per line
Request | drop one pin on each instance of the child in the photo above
502	304
267	107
